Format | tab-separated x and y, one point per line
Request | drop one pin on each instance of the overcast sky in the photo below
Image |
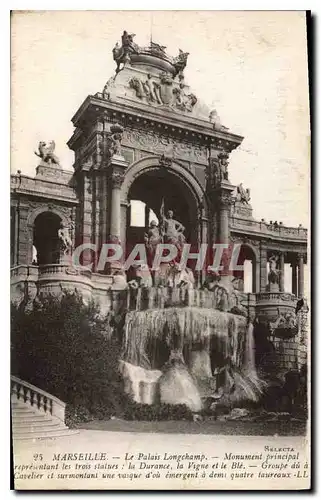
250	66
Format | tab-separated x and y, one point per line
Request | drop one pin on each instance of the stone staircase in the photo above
35	413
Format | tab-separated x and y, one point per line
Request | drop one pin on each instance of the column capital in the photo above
117	168
299	256
117	179
225	199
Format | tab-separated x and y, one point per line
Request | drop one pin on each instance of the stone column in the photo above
256	271
118	167
14	235
224	232
147	216
203	238
24	250
219	191
263	268
301	275
115	208
225	200
281	272
96	211
294	278
87	256
103	193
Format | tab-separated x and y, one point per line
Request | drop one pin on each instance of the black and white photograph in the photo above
160	250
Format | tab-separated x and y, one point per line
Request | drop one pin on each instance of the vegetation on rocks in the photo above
67	348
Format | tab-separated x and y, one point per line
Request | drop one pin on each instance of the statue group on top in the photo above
162	92
46	153
122	53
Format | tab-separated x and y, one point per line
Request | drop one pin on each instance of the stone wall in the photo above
291	353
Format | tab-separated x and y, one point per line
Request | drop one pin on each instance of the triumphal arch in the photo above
145	137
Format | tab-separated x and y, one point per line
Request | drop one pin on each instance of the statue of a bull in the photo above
173	275
141	276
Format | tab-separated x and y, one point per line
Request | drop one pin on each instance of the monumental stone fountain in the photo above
183	345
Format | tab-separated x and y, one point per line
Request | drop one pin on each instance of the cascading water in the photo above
183	354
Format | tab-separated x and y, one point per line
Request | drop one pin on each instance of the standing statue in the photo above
223	164
273	276
34	256
172	230
216	171
216	120
242	194
46	152
65	238
114	140
118	54
152	238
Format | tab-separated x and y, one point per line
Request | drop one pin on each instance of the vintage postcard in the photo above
160	250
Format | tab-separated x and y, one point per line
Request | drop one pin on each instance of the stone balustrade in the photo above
57	186
276	296
279	231
37	398
24	271
54	269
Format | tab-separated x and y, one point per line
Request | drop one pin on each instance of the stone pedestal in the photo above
273	287
48	170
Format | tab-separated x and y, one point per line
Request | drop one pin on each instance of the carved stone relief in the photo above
163	92
157	143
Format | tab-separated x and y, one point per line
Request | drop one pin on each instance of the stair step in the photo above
30	416
22	404
30	420
25	407
44	435
38	425
27	413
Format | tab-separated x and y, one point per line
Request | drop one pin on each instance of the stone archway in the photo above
45	238
147	180
43	223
